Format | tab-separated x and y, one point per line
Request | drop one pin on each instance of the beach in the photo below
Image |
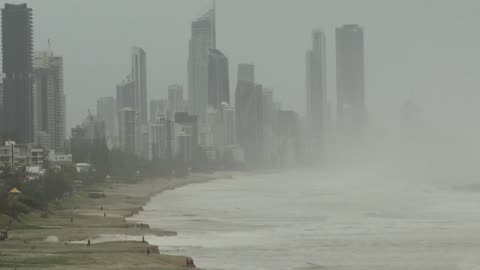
59	240
314	219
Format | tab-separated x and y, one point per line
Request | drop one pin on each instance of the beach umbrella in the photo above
14	191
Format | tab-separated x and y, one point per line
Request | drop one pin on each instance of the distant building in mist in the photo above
106	111
139	77
128	130
161	138
202	39
269	138
246	72
288	129
1	110
186	135
158	108
316	83
126	94
249	115
17	48
175	99
351	110
49	101
218	82
228	121
90	131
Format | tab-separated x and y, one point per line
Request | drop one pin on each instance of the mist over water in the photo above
400	203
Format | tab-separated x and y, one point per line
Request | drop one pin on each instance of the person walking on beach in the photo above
88	243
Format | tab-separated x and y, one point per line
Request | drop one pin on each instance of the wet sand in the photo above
55	242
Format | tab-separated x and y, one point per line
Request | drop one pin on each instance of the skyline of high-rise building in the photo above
351	112
202	39
49	100
218	79
139	77
316	84
17	49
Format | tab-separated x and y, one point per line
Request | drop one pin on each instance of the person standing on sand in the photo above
88	243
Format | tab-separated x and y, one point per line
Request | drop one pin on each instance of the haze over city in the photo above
410	47
253	134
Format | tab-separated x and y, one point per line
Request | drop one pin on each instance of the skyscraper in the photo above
139	76
218	83
202	39
158	109
17	48
316	82
126	94
228	121
49	100
128	129
1	110
106	112
351	111
249	115
175	99
246	72
186	135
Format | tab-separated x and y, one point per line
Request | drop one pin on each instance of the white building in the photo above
128	129
13	155
49	100
59	159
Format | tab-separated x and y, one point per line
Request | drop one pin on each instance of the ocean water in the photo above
318	220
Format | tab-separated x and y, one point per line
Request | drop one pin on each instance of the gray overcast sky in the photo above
426	50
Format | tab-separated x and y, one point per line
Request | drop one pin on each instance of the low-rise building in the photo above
21	155
56	159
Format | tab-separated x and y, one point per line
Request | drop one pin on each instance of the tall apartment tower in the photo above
139	76
49	100
17	49
1	110
106	112
158	109
249	115
128	130
202	39
351	110
218	82
316	83
175	99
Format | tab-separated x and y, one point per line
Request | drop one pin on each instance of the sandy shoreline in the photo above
58	243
